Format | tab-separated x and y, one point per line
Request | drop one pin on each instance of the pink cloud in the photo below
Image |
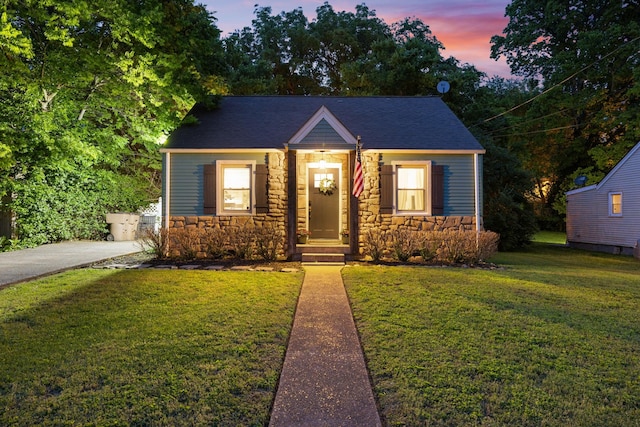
464	27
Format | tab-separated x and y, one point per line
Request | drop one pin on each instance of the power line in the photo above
538	131
527	122
563	81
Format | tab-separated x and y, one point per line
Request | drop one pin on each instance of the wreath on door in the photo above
327	186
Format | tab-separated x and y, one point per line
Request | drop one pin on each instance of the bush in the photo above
187	241
427	245
455	246
375	243
156	242
446	247
268	241
242	242
403	244
215	241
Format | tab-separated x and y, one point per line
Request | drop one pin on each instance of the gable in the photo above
324	130
624	174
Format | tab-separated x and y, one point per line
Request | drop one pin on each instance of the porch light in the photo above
323	162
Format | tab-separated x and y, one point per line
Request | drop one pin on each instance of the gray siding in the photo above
588	219
459	190
187	179
323	133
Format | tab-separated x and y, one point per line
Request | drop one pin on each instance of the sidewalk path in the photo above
324	380
26	264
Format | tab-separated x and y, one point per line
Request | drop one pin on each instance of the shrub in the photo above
215	241
156	242
241	242
375	243
268	240
487	246
427	244
403	244
455	246
467	247
187	241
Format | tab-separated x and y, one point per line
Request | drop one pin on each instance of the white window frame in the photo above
426	164
221	165
611	204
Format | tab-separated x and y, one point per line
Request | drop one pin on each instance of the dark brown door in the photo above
324	208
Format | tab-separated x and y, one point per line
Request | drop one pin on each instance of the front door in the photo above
324	203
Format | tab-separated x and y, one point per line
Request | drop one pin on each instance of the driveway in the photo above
27	264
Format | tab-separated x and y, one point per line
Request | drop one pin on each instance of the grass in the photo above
552	237
144	347
553	339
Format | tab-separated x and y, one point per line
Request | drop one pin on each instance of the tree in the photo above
88	91
586	53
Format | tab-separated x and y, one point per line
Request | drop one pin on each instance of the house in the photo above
606	217
289	161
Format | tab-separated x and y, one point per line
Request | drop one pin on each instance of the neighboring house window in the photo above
235	188
615	204
412	187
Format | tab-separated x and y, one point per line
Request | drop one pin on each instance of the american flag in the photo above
358	176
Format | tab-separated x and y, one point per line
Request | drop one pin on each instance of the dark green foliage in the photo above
506	209
586	54
87	94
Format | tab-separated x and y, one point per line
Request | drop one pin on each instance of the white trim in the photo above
428	209
167	187
410	151
476	171
220	166
581	190
220	150
311	150
323	113
316	150
619	165
610	197
609	175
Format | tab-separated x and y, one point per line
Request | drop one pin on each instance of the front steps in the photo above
321	251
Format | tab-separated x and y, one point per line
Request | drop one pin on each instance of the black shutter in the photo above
262	195
210	189
437	190
386	189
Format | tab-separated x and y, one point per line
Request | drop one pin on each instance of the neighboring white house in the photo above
606	217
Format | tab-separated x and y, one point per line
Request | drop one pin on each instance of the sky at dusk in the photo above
464	27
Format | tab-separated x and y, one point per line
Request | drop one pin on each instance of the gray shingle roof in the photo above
420	123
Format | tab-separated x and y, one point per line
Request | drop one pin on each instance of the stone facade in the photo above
276	215
369	216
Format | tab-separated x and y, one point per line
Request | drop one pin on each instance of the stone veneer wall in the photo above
277	215
371	218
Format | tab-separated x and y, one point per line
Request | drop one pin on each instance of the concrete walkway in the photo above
27	264
324	380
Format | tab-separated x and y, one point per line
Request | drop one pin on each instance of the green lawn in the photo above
553	237
144	347
553	339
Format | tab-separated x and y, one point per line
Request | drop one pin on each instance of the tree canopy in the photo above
90	88
87	91
586	112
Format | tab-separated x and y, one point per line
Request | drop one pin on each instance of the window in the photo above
235	192
411	183
318	177
615	204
